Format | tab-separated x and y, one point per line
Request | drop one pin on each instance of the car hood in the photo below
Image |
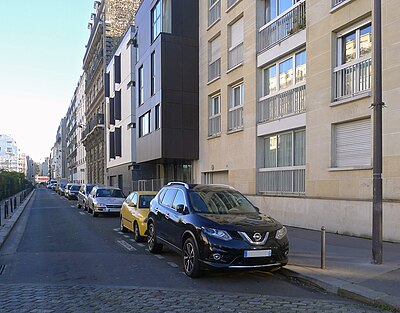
241	222
110	200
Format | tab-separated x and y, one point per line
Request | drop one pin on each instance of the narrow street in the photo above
60	259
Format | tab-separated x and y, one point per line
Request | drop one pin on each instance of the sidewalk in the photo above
349	271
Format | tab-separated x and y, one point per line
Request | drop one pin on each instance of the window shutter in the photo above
112	111
107	84
353	143
117	105
215	49
118	145
117	69
237	33
112	145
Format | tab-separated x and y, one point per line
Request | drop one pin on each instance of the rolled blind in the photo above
215	49
237	33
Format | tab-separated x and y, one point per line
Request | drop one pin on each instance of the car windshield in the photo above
113	193
219	201
89	188
144	201
75	188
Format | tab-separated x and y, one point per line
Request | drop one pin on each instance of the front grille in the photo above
113	206
241	261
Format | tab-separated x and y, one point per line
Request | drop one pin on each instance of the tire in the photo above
121	225
136	233
191	263
94	213
152	244
78	205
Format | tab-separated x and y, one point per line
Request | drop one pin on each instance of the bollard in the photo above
6	210
0	213
323	247
15	203
11	205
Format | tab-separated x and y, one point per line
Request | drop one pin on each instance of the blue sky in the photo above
41	52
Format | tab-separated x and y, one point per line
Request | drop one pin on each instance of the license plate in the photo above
257	253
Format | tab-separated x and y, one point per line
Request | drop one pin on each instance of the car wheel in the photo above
152	244
94	213
121	225
78	205
136	233
191	262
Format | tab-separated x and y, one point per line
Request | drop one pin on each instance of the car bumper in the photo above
107	210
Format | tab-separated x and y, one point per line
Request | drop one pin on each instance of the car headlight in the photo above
280	233
99	205
217	233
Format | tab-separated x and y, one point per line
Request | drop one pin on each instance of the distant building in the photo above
9	159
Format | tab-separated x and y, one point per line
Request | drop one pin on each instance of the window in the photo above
214	115
117	105
235	53
291	71
153	74
214	58
112	111
285	149
353	143
156	20
235	110
274	8
179	200
157	123
353	73
118	141
141	86
117	69
144	124
169	197
214	11
112	145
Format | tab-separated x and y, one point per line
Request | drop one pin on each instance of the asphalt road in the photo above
60	257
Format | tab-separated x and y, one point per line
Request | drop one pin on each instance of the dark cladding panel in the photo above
112	111
117	69
117	105
112	145
107	84
118	142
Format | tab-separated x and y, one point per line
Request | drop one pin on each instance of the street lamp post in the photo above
377	255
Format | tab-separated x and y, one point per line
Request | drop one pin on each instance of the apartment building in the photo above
109	24
80	123
9	159
166	92
285	109
71	140
121	114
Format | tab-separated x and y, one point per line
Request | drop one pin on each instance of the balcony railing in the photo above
282	180
149	184
283	27
337	2
235	56
214	125
352	79
289	102
235	118
214	13
96	120
214	70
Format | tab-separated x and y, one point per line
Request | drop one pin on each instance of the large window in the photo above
353	144
214	58
156	20
274	8
352	74
214	115
144	124
157	117
235	109
141	86
214	11
153	73
235	53
161	18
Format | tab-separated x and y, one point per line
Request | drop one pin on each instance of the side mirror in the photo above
180	208
258	210
131	204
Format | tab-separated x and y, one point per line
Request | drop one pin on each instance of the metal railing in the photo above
148	184
283	27
282	180
337	2
214	125
214	12
352	79
214	70
235	56
283	104
235	118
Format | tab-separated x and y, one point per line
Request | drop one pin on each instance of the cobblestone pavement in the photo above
56	298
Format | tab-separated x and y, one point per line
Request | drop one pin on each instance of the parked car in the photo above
73	191
83	194
61	188
214	226
103	199
66	189
134	212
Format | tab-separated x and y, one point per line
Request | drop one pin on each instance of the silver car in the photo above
105	200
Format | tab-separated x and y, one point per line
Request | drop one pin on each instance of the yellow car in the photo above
134	211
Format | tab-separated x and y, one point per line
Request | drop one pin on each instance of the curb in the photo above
8	226
346	289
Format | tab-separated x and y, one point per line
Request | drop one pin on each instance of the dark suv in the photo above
214	226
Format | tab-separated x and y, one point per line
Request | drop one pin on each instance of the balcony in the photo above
95	122
235	56
287	103
352	79
282	27
214	125
235	118
290	180
214	13
214	70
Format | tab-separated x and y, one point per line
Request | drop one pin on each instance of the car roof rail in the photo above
178	183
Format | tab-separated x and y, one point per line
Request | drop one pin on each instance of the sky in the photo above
41	53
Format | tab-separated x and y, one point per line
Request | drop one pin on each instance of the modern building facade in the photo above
121	114
9	158
167	92
108	25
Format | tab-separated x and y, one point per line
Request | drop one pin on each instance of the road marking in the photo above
159	256
72	206
140	245
173	264
2	269
116	229
82	213
126	245
120	232
126	236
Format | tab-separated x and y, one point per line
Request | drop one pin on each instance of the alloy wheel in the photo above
188	258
